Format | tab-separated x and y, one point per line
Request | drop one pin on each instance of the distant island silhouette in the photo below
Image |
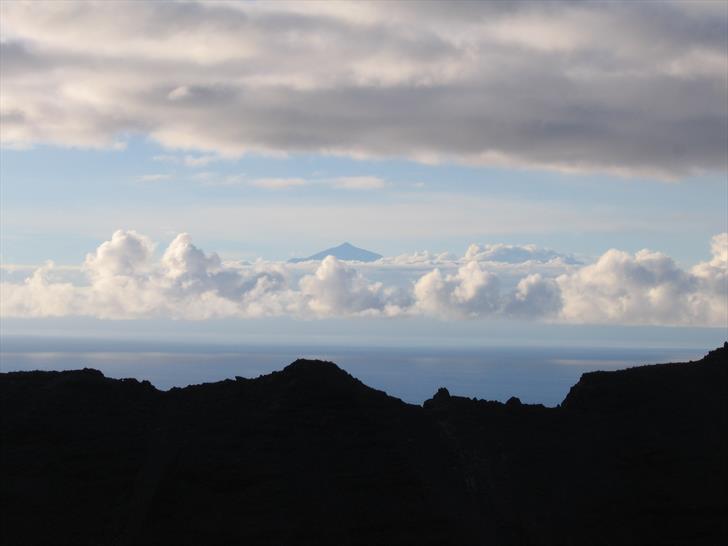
310	455
344	251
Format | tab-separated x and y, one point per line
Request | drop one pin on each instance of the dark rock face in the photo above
310	455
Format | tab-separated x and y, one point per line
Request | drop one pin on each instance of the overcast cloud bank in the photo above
623	87
124	279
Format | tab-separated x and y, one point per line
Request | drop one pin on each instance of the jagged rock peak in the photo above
721	353
441	394
441	399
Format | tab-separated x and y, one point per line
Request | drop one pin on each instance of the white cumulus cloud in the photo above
124	278
335	289
647	288
468	293
534	297
126	254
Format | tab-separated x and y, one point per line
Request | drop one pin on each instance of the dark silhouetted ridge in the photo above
310	455
319	370
675	386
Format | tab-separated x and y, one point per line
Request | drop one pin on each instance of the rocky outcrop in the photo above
310	455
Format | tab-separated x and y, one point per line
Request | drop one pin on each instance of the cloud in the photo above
124	279
125	282
515	254
166	158
39	296
189	160
358	183
535	297
335	289
343	183
200	160
154	177
421	258
469	293
503	259
648	288
277	183
184	261
127	253
631	88
179	93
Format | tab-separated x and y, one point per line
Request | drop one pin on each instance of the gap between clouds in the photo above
124	280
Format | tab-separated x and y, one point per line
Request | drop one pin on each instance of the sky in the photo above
526	169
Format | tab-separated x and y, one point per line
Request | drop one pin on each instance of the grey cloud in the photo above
631	88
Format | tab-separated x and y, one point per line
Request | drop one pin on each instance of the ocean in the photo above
540	375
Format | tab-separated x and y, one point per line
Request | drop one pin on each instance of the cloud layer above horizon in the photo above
125	279
633	88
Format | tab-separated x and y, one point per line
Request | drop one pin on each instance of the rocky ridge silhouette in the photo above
310	455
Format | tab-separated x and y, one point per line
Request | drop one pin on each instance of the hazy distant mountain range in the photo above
344	251
310	455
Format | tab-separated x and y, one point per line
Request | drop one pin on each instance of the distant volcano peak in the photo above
345	251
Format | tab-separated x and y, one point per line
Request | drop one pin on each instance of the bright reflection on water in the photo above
535	375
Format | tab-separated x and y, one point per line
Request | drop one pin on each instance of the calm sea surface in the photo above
535	375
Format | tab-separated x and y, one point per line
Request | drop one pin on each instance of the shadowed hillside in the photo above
310	455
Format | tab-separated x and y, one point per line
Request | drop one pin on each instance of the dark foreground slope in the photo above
310	455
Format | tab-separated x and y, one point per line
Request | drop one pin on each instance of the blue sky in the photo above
526	165
102	190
